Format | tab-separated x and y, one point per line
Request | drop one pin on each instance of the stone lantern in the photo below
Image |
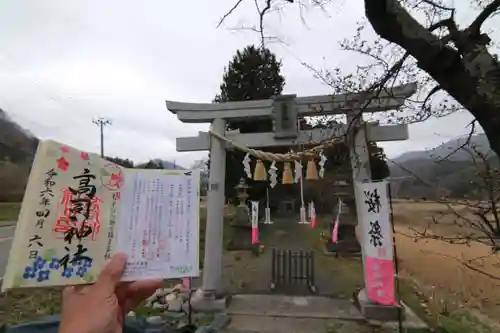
241	225
242	192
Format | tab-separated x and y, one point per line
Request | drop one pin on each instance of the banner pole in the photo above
396	262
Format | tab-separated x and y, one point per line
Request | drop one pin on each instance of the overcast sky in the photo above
63	63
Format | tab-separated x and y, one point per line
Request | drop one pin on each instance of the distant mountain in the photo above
16	143
17	149
159	164
479	141
452	175
168	164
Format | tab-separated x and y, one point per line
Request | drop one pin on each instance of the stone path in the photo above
285	314
254	324
309	314
317	307
246	273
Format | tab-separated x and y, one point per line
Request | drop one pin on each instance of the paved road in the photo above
6	234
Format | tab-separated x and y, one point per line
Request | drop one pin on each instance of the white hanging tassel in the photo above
298	171
267	210
246	165
273	176
322	163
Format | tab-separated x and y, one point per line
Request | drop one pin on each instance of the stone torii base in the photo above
208	302
373	311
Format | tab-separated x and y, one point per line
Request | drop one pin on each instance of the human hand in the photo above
102	306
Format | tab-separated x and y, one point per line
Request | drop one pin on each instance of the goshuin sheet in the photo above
158	227
80	209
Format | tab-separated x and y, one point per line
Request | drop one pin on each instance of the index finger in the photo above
112	273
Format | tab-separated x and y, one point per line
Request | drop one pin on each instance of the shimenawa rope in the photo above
278	157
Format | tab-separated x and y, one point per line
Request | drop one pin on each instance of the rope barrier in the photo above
279	157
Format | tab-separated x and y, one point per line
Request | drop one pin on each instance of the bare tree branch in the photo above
262	13
433	91
446	23
432	3
236	5
475	26
466	143
269	39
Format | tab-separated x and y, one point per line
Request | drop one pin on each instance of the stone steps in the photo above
266	324
285	314
310	314
295	307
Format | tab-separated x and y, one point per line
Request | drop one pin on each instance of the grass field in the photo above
9	211
437	267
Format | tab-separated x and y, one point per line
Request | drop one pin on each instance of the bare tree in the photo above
419	40
475	219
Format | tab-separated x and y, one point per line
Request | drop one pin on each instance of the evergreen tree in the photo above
152	164
378	163
126	163
253	74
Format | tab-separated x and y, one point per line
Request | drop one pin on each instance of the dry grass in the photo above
437	267
29	304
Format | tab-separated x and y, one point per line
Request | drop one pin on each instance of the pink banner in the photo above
255	235
380	280
186	283
312	214
335	232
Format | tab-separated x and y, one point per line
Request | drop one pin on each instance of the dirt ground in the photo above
437	267
440	267
246	273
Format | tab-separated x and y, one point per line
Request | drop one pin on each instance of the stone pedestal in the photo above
202	301
347	241
240	238
373	311
347	246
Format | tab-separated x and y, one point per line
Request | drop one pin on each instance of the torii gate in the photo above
284	110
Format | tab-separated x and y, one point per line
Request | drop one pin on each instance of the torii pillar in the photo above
284	111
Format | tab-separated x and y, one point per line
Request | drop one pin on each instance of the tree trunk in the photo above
470	74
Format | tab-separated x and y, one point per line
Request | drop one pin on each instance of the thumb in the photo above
112	273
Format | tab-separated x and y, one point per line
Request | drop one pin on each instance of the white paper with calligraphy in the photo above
159	224
73	216
377	241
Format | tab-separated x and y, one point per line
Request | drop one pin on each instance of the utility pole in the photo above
101	122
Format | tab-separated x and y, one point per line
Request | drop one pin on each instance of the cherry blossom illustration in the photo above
62	164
